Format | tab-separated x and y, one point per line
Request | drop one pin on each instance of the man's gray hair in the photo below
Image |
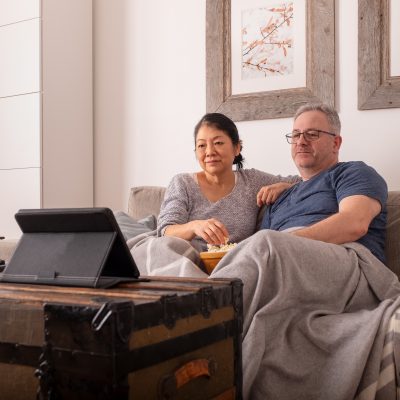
331	114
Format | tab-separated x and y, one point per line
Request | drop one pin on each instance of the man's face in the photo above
313	157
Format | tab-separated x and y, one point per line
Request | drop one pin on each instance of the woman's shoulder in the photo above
249	172
183	179
252	174
255	178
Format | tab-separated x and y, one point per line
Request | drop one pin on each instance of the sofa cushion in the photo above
131	227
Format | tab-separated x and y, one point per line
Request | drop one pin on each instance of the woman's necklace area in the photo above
215	191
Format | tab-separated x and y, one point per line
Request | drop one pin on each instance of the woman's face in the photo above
215	150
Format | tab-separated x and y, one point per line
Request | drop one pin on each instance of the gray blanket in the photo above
165	256
320	319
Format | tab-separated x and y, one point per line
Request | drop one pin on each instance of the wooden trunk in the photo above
165	338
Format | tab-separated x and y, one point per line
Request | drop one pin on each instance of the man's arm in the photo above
348	225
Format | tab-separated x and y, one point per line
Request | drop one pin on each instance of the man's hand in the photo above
268	194
348	225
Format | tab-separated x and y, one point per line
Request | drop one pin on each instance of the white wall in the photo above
46	113
150	92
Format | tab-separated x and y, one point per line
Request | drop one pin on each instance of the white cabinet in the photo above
20	55
20	132
46	106
18	10
20	188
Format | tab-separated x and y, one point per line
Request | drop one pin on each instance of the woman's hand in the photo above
269	194
211	230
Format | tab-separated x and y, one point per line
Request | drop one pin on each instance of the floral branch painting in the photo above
265	58
267	41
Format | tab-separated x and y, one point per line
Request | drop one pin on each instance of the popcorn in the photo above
212	248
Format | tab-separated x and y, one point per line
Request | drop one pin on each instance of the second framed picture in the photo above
378	54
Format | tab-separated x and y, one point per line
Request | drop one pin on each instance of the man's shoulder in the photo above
350	165
356	177
354	167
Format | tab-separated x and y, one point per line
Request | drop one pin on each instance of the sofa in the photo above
144	202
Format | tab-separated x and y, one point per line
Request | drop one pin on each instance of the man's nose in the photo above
301	139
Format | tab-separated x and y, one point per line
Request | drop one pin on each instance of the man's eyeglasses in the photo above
310	136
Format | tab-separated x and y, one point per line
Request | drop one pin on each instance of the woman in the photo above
208	207
217	204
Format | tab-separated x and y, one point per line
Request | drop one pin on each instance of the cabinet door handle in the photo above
170	384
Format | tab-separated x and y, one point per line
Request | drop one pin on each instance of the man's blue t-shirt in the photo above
310	201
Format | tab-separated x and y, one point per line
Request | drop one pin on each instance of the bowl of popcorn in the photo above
214	253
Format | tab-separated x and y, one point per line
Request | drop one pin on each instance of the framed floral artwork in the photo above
265	58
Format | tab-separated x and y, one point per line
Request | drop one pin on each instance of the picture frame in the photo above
320	66
376	87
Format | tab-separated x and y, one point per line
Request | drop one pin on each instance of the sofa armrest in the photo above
145	200
7	247
392	246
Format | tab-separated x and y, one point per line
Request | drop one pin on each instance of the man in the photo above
317	298
338	202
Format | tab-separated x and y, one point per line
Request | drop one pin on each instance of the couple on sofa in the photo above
317	296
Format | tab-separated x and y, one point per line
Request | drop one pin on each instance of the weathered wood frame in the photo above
376	88
320	59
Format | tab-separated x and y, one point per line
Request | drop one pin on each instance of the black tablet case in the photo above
70	247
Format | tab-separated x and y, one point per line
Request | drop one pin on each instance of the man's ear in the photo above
338	143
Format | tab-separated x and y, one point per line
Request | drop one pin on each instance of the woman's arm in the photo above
174	217
269	187
268	194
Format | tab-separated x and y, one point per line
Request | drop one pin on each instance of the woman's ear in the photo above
237	150
239	147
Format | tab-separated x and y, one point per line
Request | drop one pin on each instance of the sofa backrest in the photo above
146	200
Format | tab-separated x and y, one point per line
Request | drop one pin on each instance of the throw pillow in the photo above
131	227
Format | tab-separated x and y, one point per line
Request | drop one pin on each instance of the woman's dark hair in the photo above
225	124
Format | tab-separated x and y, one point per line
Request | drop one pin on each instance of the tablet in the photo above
70	247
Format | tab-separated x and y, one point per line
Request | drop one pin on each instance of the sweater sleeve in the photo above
175	207
258	178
